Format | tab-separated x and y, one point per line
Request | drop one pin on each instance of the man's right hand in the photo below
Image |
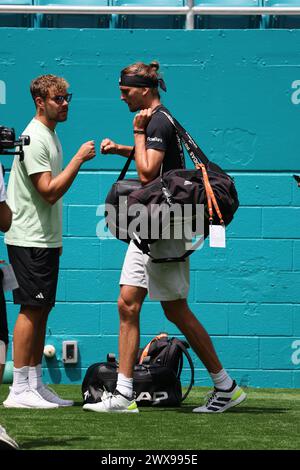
87	151
108	146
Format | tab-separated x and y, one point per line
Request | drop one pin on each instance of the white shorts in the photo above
164	281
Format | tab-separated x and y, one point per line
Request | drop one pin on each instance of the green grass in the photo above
269	419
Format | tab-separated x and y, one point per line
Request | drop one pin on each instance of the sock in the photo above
2	353
35	377
20	382
125	385
222	380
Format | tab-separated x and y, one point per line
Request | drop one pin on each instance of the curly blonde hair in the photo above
40	86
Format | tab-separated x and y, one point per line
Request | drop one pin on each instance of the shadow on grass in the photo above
48	442
248	409
189	409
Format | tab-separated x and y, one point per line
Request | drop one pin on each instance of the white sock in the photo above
222	380
35	377
125	385
20	382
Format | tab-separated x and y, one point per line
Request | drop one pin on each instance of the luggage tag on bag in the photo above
217	236
9	281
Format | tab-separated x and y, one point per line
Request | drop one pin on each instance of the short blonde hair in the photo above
40	86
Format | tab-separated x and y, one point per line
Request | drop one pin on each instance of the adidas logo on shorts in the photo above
39	296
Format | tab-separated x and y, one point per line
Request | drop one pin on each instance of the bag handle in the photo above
146	349
127	164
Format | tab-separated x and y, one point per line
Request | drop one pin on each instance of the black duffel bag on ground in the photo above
208	184
156	378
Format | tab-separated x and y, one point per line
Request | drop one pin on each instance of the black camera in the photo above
8	142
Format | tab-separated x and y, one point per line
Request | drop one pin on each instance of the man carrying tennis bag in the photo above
157	151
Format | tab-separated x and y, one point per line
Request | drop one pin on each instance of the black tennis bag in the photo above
178	186
156	378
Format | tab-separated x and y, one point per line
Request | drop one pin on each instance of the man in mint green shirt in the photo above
36	223
34	241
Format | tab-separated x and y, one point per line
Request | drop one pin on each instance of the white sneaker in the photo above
52	397
220	400
27	399
6	442
114	403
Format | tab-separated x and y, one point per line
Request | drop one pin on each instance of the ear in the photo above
39	102
145	91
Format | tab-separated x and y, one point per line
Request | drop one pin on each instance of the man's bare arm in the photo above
148	162
108	146
52	189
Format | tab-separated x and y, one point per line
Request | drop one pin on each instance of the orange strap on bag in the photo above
146	349
210	195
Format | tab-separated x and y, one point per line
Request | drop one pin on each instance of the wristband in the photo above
139	132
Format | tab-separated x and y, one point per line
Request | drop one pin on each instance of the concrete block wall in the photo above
224	88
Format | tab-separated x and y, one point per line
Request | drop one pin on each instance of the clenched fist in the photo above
141	119
87	151
108	146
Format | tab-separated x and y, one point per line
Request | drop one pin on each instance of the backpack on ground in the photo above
156	378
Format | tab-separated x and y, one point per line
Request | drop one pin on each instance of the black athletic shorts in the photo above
3	316
36	270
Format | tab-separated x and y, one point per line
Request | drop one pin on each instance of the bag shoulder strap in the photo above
193	149
144	247
200	161
185	352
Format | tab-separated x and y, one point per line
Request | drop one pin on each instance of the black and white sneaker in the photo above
219	401
6	442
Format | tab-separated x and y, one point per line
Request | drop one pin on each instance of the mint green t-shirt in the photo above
36	223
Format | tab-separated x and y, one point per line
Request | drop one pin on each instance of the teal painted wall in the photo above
238	92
